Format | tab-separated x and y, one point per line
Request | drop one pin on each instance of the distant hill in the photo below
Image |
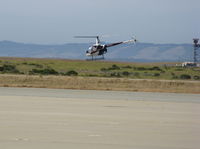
142	52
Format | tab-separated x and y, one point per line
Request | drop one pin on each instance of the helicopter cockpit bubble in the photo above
90	48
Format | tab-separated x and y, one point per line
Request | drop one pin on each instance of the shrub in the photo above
46	71
174	77
114	67
1	68
104	69
72	73
196	77
49	71
6	68
126	73
156	74
173	74
92	75
162	71
128	67
155	68
185	76
115	74
36	65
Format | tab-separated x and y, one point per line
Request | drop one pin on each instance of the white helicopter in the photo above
99	49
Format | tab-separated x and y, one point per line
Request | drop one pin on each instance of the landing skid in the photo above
95	59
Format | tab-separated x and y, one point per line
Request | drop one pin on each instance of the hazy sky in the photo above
57	21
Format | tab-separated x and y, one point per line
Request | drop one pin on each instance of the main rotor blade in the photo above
97	38
86	36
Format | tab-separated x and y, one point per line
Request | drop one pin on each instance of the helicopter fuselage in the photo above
99	49
96	50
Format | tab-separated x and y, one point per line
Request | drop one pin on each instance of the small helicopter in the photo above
99	49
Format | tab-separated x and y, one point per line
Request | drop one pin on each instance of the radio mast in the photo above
196	47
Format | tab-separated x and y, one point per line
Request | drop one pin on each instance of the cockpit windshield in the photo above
90	48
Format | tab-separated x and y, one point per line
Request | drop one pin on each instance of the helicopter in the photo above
99	49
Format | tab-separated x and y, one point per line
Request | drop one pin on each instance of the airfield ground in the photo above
100	83
79	119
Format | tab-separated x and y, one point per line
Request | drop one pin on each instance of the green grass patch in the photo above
33	66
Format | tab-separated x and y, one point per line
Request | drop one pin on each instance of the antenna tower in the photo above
196	47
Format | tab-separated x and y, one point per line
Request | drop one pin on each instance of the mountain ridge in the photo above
126	52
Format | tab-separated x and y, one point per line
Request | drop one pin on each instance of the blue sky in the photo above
57	21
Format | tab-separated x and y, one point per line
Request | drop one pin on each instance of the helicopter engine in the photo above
103	50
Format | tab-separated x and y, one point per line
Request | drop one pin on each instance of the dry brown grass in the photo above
94	83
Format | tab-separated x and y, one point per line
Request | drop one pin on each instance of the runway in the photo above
80	119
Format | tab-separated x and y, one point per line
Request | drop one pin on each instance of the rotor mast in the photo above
97	40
